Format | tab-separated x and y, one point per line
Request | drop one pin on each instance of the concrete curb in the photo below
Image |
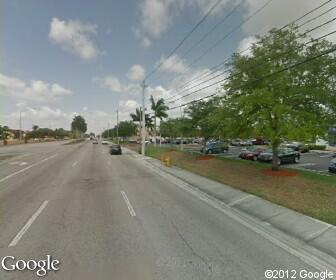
313	232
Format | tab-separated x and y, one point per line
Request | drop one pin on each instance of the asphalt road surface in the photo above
110	217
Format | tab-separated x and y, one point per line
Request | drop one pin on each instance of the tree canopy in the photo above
78	124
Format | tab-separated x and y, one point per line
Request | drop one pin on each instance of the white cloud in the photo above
155	16
245	45
75	37
111	83
34	90
136	73
279	13
173	65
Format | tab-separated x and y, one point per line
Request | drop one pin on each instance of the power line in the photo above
212	78
184	39
266	76
222	64
235	8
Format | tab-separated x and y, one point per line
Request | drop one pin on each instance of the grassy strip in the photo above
308	193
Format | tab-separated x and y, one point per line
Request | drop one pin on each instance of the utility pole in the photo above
118	126
143	116
20	125
108	130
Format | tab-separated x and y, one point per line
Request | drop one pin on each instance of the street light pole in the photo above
143	116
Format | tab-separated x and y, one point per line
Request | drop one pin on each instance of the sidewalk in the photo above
311	232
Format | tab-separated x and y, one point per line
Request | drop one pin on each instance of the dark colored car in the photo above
215	148
285	155
115	149
258	141
332	166
251	153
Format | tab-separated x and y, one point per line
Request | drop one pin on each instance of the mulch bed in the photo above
279	173
205	157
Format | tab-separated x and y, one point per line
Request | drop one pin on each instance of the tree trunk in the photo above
204	145
275	159
154	129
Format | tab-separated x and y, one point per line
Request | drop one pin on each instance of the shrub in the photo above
317	147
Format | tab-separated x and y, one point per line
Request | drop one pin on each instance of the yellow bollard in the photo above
167	161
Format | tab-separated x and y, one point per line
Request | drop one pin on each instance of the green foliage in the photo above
317	147
177	127
40	133
202	118
298	103
78	124
136	117
3	132
125	129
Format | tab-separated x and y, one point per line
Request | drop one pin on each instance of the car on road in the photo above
104	142
332	166
95	141
115	149
251	153
215	148
285	155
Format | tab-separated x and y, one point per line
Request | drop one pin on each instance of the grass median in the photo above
307	192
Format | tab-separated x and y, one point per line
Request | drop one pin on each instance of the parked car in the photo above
246	143
115	149
332	166
251	153
258	141
236	142
196	141
215	148
285	155
104	142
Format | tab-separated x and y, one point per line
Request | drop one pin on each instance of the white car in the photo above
104	142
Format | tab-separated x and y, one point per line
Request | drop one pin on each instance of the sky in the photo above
61	58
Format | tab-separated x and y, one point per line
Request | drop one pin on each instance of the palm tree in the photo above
160	111
136	117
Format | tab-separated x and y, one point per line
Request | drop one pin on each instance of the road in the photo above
110	217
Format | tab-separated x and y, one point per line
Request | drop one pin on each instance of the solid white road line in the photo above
28	224
129	206
74	164
26	168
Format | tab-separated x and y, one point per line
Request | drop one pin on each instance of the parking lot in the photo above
317	161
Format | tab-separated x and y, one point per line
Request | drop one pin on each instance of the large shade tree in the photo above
284	89
201	115
78	125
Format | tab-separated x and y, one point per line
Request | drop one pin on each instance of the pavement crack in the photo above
209	266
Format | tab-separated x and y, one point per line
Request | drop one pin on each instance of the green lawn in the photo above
307	192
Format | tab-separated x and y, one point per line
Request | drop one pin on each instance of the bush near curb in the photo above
317	147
